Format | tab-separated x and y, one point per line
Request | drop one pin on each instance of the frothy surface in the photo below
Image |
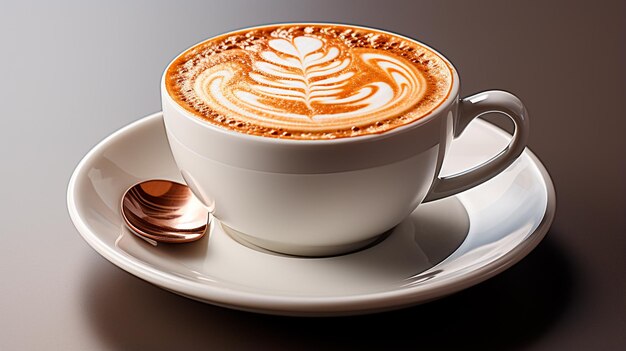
309	81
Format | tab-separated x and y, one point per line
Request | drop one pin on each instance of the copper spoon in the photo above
164	211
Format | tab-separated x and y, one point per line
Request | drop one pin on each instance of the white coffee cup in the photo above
327	197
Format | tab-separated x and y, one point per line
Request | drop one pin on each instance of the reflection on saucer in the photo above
425	238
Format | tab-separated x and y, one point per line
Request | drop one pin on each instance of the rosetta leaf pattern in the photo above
301	70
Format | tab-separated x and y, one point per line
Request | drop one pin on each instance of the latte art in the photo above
309	82
302	81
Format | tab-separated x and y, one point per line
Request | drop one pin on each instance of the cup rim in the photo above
452	95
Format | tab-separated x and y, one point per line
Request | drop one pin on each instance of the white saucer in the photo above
445	246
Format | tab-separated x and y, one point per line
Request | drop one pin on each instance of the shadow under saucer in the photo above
513	308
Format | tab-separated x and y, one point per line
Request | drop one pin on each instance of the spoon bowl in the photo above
164	211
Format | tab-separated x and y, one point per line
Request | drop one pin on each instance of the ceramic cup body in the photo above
313	197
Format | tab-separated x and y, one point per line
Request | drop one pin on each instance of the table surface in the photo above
74	72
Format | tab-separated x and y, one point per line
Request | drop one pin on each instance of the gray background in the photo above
73	72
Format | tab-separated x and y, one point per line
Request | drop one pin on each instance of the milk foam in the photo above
309	84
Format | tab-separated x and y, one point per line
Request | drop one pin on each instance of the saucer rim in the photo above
304	305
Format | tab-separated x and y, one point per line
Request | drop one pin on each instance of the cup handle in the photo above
470	108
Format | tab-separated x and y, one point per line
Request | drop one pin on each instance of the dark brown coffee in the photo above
309	81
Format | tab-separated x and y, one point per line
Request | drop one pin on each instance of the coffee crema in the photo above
309	81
